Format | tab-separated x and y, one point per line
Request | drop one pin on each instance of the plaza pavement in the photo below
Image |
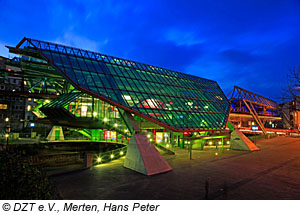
271	173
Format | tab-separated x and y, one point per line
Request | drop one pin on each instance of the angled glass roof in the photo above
176	100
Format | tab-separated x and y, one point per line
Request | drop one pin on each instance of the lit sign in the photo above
113	135
254	128
159	137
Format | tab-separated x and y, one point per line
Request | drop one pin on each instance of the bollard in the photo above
88	160
207	188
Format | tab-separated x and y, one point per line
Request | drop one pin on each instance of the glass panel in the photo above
176	99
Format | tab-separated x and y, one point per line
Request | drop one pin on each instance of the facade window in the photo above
3	106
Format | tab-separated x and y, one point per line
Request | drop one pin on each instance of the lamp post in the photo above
7	130
190	149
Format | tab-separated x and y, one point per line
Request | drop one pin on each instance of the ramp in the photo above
143	157
240	142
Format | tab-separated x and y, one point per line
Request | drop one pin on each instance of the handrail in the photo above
105	157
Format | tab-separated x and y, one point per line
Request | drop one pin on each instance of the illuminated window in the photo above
83	110
3	106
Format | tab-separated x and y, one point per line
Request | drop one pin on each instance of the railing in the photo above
166	147
105	157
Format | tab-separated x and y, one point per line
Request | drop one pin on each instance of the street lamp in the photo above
7	130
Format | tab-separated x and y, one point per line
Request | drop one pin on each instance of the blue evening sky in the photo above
251	44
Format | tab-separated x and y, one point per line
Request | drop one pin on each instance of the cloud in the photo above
74	40
3	50
182	38
238	56
165	54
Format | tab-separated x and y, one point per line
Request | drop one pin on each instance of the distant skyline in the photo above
250	44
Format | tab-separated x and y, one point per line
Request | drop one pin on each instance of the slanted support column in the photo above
133	123
142	156
255	116
238	141
129	121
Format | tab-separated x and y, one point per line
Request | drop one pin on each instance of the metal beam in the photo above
255	116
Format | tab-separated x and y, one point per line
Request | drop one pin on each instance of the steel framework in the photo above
245	101
174	100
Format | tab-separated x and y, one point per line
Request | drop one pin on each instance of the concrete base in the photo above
143	157
239	141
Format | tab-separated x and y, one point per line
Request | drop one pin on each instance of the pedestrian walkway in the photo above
271	173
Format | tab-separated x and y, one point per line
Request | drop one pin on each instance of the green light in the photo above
112	156
99	159
121	152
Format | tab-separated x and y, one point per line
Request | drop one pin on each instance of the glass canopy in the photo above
176	100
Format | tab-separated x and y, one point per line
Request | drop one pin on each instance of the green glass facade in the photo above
172	99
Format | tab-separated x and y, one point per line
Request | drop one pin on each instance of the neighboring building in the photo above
11	108
15	110
291	113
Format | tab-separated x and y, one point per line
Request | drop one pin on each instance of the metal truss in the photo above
239	94
255	104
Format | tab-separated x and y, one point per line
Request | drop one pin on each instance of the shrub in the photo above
20	180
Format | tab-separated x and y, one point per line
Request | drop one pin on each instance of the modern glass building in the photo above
110	98
97	91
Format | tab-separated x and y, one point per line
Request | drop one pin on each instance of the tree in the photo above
292	91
